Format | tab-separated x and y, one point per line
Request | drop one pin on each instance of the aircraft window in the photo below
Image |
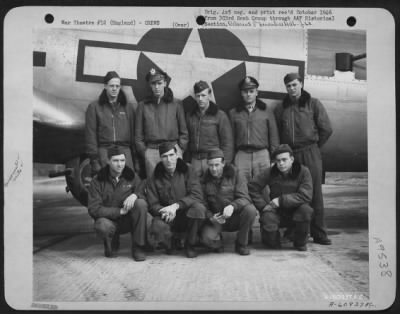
324	44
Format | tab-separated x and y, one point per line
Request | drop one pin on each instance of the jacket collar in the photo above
294	172
303	100
104	173
228	172
211	110
160	172
167	98
259	104
121	99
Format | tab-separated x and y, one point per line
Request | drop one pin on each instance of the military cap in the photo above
291	77
156	75
114	151
248	82
110	75
200	86
165	147
215	153
283	148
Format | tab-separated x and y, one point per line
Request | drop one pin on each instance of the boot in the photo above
271	239
115	243
138	253
288	235
323	241
108	252
190	251
241	249
301	235
250	241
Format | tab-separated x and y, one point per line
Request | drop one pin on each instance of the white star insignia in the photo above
191	66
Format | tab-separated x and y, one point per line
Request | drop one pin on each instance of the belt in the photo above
250	149
156	144
105	144
307	147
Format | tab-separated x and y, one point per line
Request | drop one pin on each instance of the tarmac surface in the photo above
69	265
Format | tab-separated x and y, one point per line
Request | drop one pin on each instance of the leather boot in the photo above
301	235
241	249
250	241
190	251
138	253
271	239
115	243
108	252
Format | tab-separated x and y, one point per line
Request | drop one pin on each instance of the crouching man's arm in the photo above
95	204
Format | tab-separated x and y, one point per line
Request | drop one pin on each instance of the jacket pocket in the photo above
305	121
209	134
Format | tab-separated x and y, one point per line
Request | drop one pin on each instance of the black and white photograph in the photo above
194	158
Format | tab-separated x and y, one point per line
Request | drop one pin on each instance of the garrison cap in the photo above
114	151
166	147
215	153
291	77
156	75
110	75
248	82
283	148
200	86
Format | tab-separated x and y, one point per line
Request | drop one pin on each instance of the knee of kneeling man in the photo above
304	212
104	225
197	211
250	210
270	227
268	217
141	205
306	209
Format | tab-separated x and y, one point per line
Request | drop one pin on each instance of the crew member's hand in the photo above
275	202
218	219
123	211
268	208
228	211
130	201
168	213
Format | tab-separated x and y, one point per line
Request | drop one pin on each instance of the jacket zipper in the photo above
248	129
293	125
198	133
113	125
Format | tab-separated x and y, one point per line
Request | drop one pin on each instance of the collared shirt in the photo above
250	108
114	180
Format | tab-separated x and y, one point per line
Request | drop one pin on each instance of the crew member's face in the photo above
284	162
113	87
294	88
203	98
216	167
157	88
249	95
117	164
169	160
